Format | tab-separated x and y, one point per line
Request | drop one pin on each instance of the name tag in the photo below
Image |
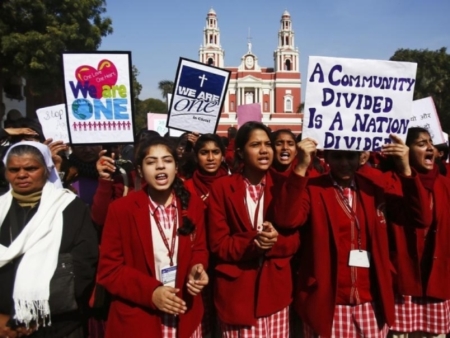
359	258
168	274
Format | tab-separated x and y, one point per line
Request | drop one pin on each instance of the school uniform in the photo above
336	296
200	185
133	256
252	288
420	252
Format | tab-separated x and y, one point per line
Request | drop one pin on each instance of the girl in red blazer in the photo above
209	152
421	251
344	286
153	253
285	151
253	288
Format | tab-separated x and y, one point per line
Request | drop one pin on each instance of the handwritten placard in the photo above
198	97
424	115
98	97
355	104
54	122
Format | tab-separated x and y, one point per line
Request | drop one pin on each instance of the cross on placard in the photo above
203	78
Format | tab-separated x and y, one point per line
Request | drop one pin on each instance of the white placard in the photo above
355	104
198	97
424	115
98	97
53	120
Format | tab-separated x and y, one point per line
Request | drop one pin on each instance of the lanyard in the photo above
352	213
256	215
170	249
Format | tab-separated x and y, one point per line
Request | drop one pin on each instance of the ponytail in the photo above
187	227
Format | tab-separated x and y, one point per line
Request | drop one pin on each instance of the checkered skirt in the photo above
421	314
353	321
169	324
273	326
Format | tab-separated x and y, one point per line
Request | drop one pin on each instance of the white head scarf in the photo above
46	153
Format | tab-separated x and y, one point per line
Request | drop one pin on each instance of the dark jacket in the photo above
79	238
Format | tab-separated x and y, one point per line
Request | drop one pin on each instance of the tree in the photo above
33	33
166	87
432	79
137	87
148	106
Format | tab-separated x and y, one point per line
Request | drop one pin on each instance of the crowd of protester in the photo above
257	234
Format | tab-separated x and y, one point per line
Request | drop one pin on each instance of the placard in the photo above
249	112
98	91
355	104
53	120
198	97
157	122
424	115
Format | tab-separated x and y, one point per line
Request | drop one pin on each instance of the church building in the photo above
277	89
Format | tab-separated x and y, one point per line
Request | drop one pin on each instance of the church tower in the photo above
286	55
211	51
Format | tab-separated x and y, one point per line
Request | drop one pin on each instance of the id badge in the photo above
359	258
168	274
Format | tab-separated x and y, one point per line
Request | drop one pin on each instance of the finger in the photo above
199	271
48	141
194	289
178	301
102	152
170	310
266	241
28	131
268	235
257	243
396	139
172	290
202	281
175	307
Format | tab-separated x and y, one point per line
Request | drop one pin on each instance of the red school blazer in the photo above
408	236
127	269
248	283
301	203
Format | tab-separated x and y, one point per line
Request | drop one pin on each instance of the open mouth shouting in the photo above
162	179
285	157
429	160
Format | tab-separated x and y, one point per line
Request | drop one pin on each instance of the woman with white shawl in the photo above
39	222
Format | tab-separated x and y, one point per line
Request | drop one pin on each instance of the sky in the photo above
159	32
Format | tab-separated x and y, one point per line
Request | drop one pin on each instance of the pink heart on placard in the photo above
105	75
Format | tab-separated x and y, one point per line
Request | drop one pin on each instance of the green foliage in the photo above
137	87
148	106
433	78
33	33
166	87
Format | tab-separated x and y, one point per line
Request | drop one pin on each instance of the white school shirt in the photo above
160	251
251	208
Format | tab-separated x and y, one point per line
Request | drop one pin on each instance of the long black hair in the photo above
187	226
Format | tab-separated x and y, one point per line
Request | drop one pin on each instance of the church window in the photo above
287	65
232	106
288	104
266	106
210	62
